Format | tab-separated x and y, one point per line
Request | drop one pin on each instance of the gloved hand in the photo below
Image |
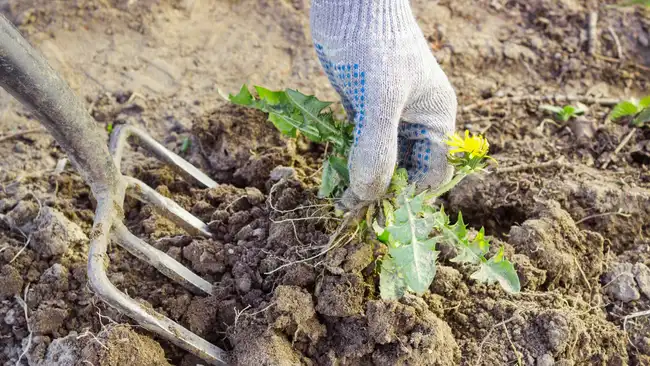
392	88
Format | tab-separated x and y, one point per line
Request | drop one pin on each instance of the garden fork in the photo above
26	75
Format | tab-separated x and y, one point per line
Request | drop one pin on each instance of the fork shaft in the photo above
26	75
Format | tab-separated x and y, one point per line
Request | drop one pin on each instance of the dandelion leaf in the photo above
472	251
329	180
417	263
341	168
391	285
271	97
311	109
410	226
399	181
498	269
244	97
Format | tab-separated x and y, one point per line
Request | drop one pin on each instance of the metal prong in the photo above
146	317
161	261
167	208
119	139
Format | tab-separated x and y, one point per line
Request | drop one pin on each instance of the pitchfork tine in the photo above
27	76
119	138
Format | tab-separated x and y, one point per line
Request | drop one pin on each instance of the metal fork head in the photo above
108	224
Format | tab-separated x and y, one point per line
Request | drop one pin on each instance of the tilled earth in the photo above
569	201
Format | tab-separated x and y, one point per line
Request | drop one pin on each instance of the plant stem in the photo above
449	185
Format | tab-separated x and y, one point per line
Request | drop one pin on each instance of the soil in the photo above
569	202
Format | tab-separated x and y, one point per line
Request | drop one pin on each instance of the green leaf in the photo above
498	269
311	108
623	109
398	181
642	118
457	231
472	252
413	253
440	219
382	234
644	102
283	125
567	112
391	285
389	212
329	180
417	263
186	145
409	227
340	166
272	97
244	97
289	120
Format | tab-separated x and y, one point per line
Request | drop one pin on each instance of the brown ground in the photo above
572	214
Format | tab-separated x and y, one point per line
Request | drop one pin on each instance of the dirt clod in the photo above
409	333
255	345
122	346
295	312
49	317
12	282
340	295
555	244
54	233
620	284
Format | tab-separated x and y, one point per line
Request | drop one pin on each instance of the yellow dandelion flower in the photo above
475	145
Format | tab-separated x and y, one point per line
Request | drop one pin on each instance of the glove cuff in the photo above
353	19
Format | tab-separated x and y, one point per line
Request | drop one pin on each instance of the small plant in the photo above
638	110
412	226
295	113
564	114
185	147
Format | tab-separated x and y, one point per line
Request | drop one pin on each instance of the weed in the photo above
564	114
412	226
637	110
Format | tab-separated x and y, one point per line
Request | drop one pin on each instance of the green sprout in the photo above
564	114
638	110
413	227
186	145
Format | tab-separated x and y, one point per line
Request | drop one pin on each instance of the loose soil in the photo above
569	202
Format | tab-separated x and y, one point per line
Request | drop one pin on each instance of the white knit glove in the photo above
392	88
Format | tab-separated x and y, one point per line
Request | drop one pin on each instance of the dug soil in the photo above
570	202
